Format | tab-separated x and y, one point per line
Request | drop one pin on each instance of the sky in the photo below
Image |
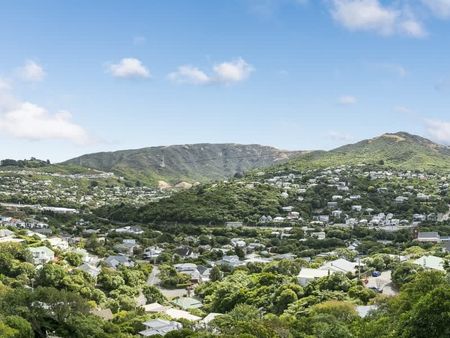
85	76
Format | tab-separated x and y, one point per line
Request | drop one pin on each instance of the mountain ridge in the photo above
399	150
187	162
204	162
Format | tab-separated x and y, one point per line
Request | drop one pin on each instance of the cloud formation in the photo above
32	72
129	68
372	15
230	72
189	74
347	100
440	8
438	130
25	120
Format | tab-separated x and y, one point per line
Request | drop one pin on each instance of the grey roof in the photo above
159	326
429	234
363	311
114	261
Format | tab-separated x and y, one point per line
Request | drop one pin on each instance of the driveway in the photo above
153	278
383	282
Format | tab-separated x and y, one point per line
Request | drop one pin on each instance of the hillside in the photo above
190	163
398	150
255	194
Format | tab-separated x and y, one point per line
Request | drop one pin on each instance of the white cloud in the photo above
139	40
227	73
403	110
129	68
347	100
341	137
233	71
25	120
189	74
372	15
393	68
413	28
440	8
32	72
438	130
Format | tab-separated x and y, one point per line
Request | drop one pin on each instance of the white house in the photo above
42	255
430	262
307	275
160	327
59	243
341	265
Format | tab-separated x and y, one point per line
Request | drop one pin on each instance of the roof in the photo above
92	270
181	314
159	327
42	249
430	262
210	317
309	273
429	234
105	314
364	310
187	303
154	307
114	261
341	265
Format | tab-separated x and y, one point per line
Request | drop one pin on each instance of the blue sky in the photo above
85	76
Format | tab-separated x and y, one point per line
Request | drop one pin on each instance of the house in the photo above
160	327
132	230
89	269
232	261
105	314
341	265
126	247
187	303
401	199
59	243
152	252
185	252
307	275
189	269
238	243
431	236
204	323
6	233
332	205
181	314
364	310
171	312
42	255
446	246
430	262
234	224
356	208
115	261
319	235
86	256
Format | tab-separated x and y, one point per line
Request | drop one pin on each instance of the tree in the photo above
404	273
215	274
430	316
21	325
51	275
153	295
285	298
73	258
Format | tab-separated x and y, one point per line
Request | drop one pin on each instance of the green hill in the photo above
190	163
234	200
398	150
